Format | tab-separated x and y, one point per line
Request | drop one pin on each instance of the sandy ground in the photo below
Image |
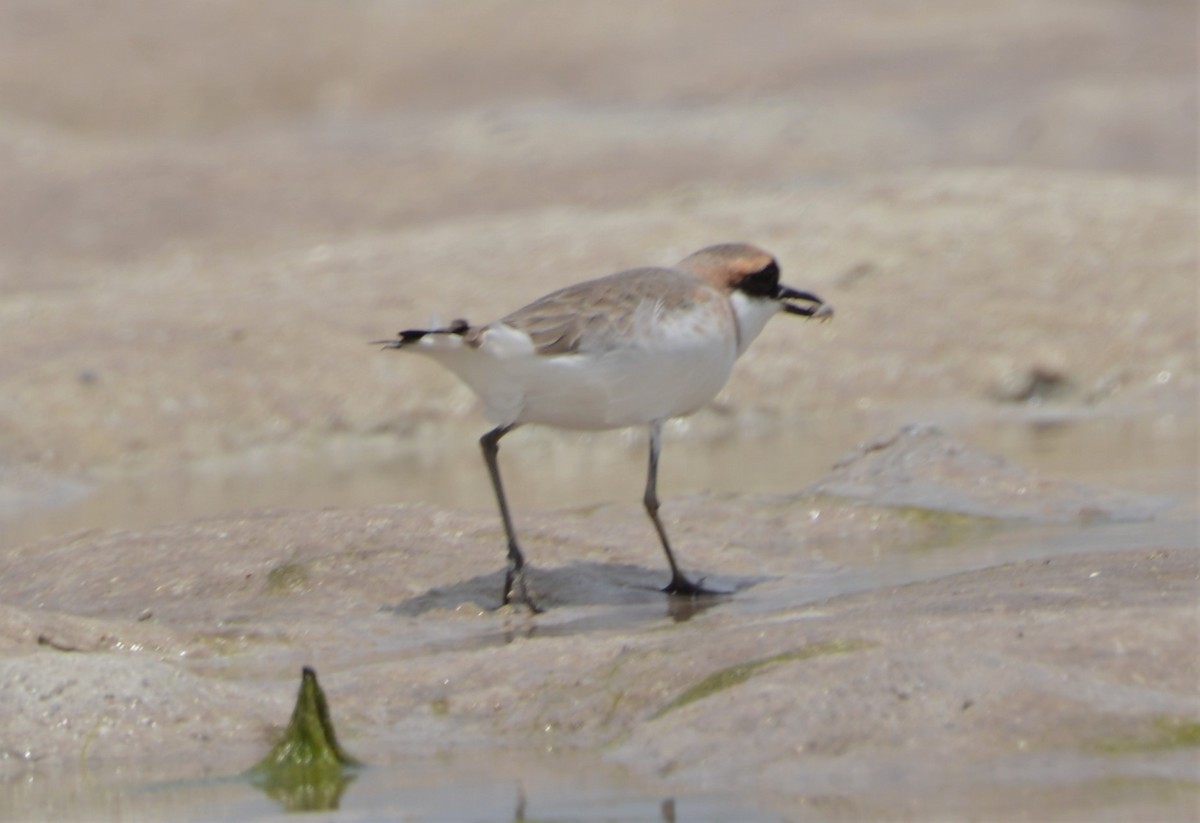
208	208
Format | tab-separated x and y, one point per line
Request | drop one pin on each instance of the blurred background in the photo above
207	209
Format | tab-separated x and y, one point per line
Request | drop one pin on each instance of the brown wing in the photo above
599	313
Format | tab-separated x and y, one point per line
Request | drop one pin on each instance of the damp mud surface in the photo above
957	525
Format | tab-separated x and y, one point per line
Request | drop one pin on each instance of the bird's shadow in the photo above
581	583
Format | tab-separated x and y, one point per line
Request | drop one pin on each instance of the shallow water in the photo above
545	469
441	789
580	789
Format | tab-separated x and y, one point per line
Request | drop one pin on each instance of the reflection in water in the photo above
666	809
683	609
300	790
519	814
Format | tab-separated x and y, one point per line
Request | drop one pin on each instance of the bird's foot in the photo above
516	591
680	586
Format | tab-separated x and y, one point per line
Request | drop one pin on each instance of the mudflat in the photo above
958	522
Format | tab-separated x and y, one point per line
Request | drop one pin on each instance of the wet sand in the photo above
196	441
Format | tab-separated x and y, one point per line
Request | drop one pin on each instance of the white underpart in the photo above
671	365
752	314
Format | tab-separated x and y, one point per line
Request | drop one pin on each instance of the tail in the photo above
402	339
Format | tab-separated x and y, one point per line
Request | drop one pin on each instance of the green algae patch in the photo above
734	675
287	577
1165	733
940	528
912	528
307	770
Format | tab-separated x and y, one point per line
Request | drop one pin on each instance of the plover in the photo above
638	347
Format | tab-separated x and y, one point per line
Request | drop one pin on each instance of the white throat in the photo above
752	314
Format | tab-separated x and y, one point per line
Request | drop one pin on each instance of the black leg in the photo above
514	580
679	584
